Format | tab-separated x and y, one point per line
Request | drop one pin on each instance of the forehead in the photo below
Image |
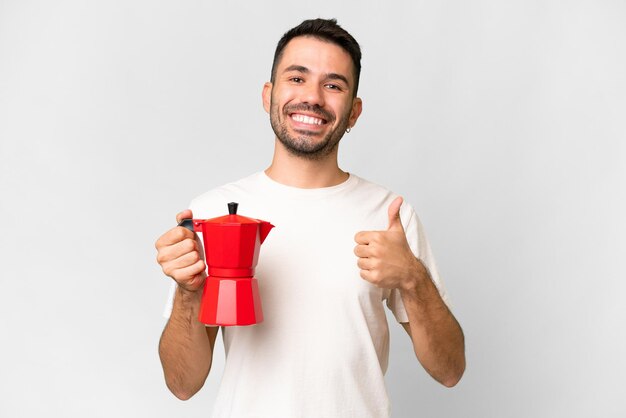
317	55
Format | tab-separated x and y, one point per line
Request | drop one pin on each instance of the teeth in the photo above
307	119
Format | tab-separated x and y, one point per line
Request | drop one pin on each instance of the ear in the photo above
267	96
357	108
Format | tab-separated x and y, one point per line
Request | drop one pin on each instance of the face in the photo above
311	101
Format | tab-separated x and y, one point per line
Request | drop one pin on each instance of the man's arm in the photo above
386	260
437	337
186	345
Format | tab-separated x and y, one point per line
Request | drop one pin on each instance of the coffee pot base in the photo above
228	301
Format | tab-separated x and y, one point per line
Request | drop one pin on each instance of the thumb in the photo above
186	214
394	215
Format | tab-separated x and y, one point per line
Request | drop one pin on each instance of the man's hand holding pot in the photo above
181	256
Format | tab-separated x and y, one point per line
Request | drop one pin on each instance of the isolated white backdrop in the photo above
502	122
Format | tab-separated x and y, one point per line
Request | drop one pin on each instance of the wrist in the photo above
186	307
416	277
188	296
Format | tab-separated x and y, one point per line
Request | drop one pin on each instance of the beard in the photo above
303	143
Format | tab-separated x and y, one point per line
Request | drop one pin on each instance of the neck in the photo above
303	173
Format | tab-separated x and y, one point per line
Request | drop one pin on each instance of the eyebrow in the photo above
304	70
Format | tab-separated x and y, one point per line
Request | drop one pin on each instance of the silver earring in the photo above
348	130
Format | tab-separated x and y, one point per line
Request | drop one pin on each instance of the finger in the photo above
365	237
196	282
171	252
363	250
174	236
394	214
367	275
186	214
365	263
183	261
190	277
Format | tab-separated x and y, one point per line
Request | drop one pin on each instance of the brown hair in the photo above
326	30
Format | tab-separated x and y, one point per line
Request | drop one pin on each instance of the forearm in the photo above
185	349
437	336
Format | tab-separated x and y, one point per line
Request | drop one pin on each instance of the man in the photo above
341	248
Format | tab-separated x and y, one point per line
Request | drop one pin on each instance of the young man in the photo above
341	248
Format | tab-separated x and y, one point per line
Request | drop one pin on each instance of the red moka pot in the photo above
231	248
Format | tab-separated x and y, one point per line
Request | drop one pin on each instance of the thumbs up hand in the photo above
384	257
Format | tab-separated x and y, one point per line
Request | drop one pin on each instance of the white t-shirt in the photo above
322	349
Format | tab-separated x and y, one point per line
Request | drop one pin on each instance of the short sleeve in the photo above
169	303
416	237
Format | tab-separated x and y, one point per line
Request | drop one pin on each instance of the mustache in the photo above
315	109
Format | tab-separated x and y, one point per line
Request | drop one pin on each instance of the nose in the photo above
313	94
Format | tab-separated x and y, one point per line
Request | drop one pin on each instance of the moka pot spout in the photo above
264	230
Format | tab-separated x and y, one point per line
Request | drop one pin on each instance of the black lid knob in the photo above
232	208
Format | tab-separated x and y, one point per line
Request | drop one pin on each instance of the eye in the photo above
297	80
331	86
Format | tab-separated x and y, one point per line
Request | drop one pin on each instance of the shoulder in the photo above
375	200
368	186
382	195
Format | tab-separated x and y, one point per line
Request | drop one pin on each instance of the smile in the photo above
309	120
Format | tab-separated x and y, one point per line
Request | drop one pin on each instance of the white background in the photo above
502	122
